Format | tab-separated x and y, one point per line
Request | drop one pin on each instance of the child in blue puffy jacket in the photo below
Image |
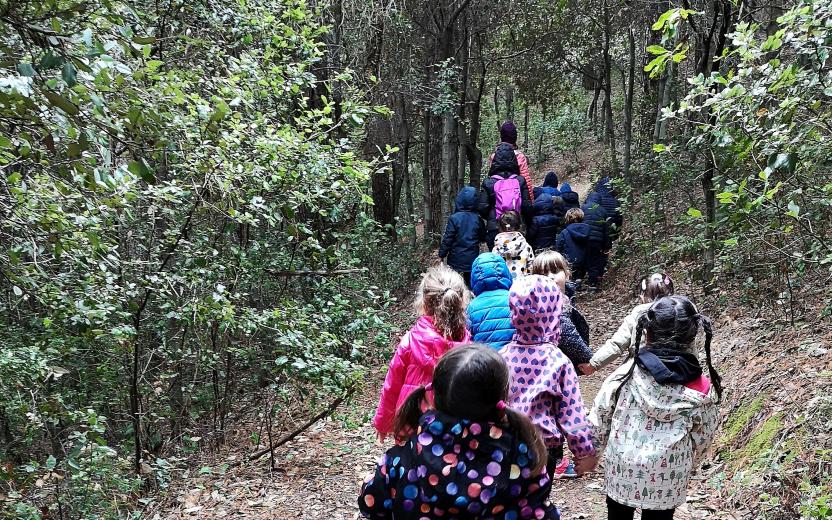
463	234
489	316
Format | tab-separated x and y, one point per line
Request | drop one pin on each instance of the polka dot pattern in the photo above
455	469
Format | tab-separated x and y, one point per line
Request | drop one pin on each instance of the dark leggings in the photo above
616	511
555	456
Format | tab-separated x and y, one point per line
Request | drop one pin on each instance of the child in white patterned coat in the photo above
657	414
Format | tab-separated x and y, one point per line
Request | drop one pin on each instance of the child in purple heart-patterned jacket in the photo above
544	384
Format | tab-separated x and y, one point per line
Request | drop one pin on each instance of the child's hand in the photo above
381	438
585	464
587	369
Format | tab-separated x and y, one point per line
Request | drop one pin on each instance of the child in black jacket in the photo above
545	223
463	234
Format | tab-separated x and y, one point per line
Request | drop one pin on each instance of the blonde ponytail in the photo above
443	296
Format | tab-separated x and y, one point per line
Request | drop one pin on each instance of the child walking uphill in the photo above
572	343
488	314
544	384
651	288
441	301
657	414
512	246
463	234
470	457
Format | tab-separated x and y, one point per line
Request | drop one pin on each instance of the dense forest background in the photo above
210	208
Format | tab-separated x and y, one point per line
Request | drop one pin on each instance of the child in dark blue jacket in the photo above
463	234
572	241
570	198
598	241
550	185
543	229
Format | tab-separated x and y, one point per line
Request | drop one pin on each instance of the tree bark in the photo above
628	106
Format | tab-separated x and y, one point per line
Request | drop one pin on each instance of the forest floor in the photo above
320	472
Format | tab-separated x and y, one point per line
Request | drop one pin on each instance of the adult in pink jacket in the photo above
441	301
508	134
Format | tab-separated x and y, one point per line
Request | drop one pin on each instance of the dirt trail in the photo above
319	474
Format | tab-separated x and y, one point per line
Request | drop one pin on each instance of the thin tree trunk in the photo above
608	89
544	110
628	106
526	127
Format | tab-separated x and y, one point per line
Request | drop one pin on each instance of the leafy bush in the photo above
170	176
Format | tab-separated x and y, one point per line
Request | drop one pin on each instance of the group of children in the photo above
518	221
481	396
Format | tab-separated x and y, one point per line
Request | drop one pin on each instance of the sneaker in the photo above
566	469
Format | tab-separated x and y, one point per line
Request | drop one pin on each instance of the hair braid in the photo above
716	380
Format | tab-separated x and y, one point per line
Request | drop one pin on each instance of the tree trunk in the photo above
427	191
510	103
544	109
526	127
628	106
610	133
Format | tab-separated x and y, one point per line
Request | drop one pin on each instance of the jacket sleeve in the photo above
704	429
531	234
618	344
528	255
523	163
376	490
571	342
525	201
484	203
571	414
393	383
602	410
559	242
448	238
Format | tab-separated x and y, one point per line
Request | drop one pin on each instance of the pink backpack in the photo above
506	194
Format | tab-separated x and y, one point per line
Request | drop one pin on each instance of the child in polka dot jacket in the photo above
544	384
470	457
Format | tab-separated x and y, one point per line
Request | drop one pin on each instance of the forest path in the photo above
318	475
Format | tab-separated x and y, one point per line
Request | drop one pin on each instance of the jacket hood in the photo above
466	199
544	204
604	186
551	180
536	305
565	187
578	230
456	456
505	161
489	273
510	243
508	133
665	402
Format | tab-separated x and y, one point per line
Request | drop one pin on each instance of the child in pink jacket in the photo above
544	385
441	301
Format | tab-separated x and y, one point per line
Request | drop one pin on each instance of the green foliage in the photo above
165	170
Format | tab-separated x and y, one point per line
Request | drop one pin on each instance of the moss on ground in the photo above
738	420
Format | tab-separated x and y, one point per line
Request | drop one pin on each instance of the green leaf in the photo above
51	462
68	74
154	64
26	69
695	213
794	209
61	102
142	170
659	148
656	49
17	290
662	20
144	40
